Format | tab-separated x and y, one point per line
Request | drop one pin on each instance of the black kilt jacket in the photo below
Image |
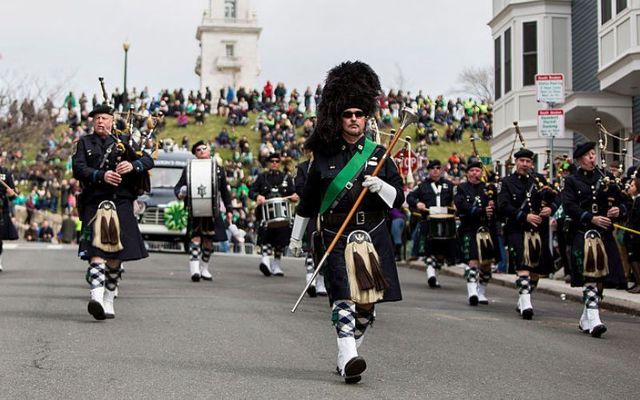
519	195
324	168
471	201
424	193
271	184
93	156
584	197
7	229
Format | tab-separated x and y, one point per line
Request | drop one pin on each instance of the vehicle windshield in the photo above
165	177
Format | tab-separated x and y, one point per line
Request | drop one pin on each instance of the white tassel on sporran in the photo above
366	280
595	260
532	249
484	244
106	228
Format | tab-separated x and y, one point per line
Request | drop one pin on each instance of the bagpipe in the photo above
131	147
547	192
487	253
612	190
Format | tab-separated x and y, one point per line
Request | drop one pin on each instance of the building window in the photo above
620	5
507	61
230	9
605	11
229	50
497	65
529	52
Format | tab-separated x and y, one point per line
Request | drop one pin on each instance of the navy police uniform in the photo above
371	216
94	155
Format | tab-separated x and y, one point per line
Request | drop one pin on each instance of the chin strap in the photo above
299	227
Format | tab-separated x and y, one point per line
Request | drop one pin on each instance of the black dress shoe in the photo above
265	269
353	369
312	291
96	310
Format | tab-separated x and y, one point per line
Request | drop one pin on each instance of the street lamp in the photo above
125	47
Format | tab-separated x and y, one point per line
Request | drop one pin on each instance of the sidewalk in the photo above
614	300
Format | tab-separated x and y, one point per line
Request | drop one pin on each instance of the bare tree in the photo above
477	82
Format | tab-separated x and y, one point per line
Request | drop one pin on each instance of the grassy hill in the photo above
214	124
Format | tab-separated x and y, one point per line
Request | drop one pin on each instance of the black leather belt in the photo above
359	218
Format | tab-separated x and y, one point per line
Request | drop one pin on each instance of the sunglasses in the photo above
350	114
274	161
201	149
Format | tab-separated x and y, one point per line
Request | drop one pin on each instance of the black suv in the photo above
150	207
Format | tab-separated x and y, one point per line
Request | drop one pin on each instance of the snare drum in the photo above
202	186
276	212
441	226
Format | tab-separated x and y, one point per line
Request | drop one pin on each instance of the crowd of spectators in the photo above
282	118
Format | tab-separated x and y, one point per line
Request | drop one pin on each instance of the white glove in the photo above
295	246
384	190
373	183
295	243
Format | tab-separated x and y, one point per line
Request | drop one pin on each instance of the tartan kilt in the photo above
515	245
335	268
134	247
616	273
213	228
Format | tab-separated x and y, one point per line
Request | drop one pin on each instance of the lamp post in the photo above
125	47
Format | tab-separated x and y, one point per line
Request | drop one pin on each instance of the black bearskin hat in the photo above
349	85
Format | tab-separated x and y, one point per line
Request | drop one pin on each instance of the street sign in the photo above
402	156
551	123
550	88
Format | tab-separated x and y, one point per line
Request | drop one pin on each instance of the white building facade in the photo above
228	39
594	43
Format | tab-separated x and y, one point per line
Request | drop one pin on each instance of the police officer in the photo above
593	204
349	96
203	231
434	198
110	177
7	193
526	203
271	184
475	204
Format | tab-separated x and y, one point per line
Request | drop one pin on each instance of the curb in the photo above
611	303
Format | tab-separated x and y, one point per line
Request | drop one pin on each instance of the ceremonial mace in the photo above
408	118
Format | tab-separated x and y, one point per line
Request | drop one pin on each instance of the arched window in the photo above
230	9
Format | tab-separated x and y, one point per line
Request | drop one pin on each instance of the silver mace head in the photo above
408	117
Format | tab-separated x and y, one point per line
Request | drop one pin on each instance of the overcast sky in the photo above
426	42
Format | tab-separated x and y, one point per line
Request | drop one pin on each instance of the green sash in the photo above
343	180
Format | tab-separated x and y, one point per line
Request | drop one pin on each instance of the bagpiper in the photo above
525	201
593	202
475	203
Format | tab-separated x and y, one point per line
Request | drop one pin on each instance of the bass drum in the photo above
202	188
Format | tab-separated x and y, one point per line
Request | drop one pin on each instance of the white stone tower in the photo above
228	39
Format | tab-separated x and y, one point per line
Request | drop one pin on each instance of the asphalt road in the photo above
236	338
